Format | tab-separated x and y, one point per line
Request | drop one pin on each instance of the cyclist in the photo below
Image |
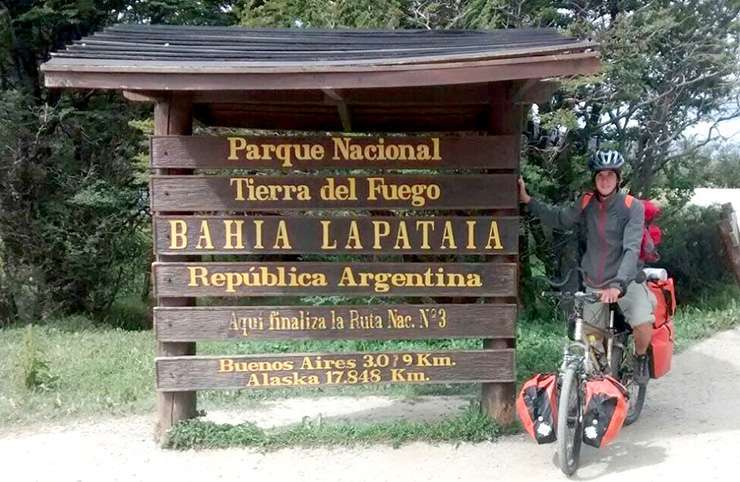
614	226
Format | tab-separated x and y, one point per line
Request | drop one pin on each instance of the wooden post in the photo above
728	230
173	116
497	399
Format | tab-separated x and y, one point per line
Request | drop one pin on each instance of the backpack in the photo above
537	407
652	235
606	410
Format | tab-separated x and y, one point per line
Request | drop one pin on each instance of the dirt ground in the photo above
690	429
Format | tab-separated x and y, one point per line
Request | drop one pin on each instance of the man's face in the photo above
606	182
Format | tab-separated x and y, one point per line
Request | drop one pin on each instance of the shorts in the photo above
637	305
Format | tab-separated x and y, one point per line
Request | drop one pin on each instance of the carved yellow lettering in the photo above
425	226
258	234
471	234
225	365
236	144
178	234
341	145
204	241
448	237
233	234
347	278
198	274
241	183
435	147
281	239
494	236
381	230
402	238
353	238
326	235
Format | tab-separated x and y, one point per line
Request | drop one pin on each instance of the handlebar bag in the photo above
606	409
660	350
537	407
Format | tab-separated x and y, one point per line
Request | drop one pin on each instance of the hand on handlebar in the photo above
610	295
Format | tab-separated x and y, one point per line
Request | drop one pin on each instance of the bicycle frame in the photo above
579	353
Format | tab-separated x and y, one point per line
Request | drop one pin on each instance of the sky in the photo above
728	129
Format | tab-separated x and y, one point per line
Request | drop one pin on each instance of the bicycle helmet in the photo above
606	160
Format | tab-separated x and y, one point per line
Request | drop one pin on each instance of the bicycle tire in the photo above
622	370
569	441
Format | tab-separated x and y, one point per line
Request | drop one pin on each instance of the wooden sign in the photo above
371	322
239	193
492	152
348	278
316	369
335	235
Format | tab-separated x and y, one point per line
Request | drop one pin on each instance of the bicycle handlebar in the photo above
640	278
578	295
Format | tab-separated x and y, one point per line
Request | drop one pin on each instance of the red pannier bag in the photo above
537	407
660	350
665	294
606	409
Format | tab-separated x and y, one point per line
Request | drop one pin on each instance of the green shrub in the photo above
692	251
35	369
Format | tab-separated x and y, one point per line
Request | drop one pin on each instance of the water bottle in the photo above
655	274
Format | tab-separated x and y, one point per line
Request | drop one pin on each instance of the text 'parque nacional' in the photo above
343	148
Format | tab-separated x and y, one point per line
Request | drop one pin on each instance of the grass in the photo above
94	371
469	426
72	368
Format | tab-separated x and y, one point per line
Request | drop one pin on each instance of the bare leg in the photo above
643	334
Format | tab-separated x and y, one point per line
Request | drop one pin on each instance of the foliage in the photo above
72	206
321	14
78	368
469	426
36	373
692	251
71	209
721	167
73	234
667	66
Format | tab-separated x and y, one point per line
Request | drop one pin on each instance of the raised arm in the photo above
556	216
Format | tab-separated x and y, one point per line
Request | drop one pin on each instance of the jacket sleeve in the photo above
631	244
558	217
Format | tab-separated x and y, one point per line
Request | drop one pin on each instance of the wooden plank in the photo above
335	235
239	193
730	235
397	121
317	369
372	63
175	78
350	278
372	322
402	97
281	152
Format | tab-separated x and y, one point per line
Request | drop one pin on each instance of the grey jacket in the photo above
613	235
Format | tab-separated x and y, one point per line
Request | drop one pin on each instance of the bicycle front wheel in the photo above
570	422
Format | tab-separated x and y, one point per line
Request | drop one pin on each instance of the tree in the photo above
73	211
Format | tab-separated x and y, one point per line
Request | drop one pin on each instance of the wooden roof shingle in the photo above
159	57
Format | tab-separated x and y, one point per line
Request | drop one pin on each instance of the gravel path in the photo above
690	429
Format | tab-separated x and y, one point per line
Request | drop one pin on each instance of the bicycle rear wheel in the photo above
570	422
622	359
